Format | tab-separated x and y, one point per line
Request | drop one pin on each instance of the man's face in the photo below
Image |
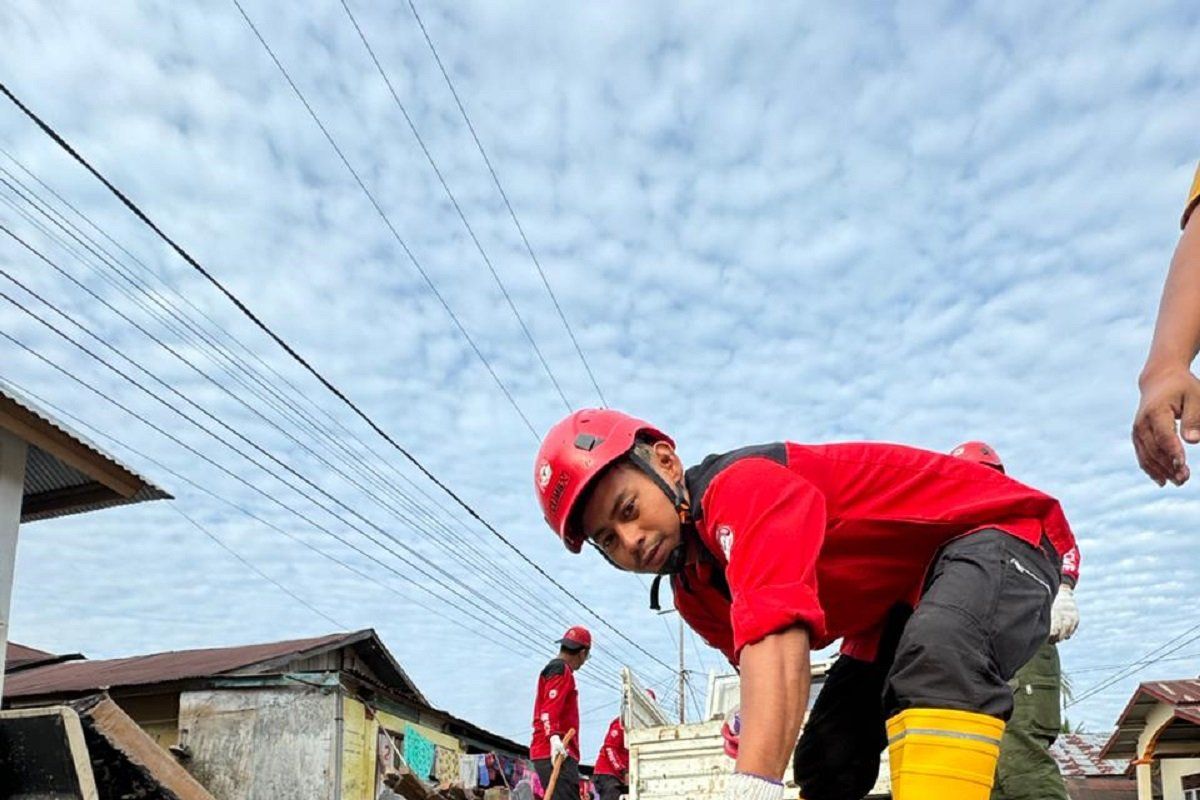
631	519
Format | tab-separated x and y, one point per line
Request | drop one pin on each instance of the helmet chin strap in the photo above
676	559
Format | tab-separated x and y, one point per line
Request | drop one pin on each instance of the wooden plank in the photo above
135	744
86	494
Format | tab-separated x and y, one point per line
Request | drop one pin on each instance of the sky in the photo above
919	222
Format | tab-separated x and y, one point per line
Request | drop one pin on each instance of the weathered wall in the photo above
157	714
360	732
268	743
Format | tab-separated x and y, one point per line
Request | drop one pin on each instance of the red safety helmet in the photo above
980	453
577	637
574	453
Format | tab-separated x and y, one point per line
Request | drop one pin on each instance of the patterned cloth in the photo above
419	752
446	766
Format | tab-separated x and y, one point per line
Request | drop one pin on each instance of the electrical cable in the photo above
91	245
504	195
454	202
191	261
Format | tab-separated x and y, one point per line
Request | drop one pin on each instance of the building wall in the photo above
156	714
360	732
1173	770
262	743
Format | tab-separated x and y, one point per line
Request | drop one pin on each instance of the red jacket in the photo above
555	710
614	756
832	536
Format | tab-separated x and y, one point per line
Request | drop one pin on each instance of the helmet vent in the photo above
586	441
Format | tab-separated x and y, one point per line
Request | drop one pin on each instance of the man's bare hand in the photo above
1168	396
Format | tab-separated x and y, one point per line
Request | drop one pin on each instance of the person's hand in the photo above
1064	615
731	731
744	786
1167	395
557	748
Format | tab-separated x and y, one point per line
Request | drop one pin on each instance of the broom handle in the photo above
558	762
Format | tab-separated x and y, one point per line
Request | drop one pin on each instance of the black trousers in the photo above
567	787
609	787
984	613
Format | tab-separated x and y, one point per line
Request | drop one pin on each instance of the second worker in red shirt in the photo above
937	575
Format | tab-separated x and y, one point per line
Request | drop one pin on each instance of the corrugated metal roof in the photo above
55	488
1078	754
88	676
15	654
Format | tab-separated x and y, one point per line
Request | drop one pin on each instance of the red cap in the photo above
980	453
574	452
577	637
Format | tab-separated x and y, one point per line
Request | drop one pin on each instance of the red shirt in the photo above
555	710
832	536
614	756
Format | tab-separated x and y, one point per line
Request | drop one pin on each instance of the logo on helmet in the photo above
545	473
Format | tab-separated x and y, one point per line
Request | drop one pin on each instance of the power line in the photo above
496	580
407	561
410	562
339	449
258	571
191	261
454	202
1152	657
504	195
388	222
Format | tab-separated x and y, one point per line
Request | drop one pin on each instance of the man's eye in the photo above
627	511
608	542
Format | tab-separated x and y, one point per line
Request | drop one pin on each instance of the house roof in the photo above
64	472
19	657
80	677
1079	755
1182	695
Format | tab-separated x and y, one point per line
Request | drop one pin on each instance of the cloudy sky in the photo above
919	222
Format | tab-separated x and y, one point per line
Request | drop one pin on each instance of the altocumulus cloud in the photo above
920	222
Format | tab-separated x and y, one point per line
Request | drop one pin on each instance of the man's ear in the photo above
668	461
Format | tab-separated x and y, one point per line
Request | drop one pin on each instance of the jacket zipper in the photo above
1021	568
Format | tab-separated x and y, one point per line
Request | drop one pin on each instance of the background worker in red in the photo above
1026	770
611	774
556	711
779	549
1170	393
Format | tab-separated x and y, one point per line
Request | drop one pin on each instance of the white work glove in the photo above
557	748
1064	615
744	786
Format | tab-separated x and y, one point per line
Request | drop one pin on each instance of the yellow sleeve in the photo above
1193	200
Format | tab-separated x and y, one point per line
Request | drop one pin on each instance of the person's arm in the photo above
1169	390
775	682
770	523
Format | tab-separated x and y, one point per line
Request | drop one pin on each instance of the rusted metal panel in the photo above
269	743
84	676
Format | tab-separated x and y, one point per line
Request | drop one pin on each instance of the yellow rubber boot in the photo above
895	737
943	754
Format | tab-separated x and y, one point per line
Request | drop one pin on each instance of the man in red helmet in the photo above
556	712
1026	770
936	573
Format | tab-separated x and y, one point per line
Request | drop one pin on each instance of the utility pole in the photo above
682	676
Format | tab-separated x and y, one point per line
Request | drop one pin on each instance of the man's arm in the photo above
775	682
1169	390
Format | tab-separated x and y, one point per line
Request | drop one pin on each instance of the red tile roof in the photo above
1078	755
